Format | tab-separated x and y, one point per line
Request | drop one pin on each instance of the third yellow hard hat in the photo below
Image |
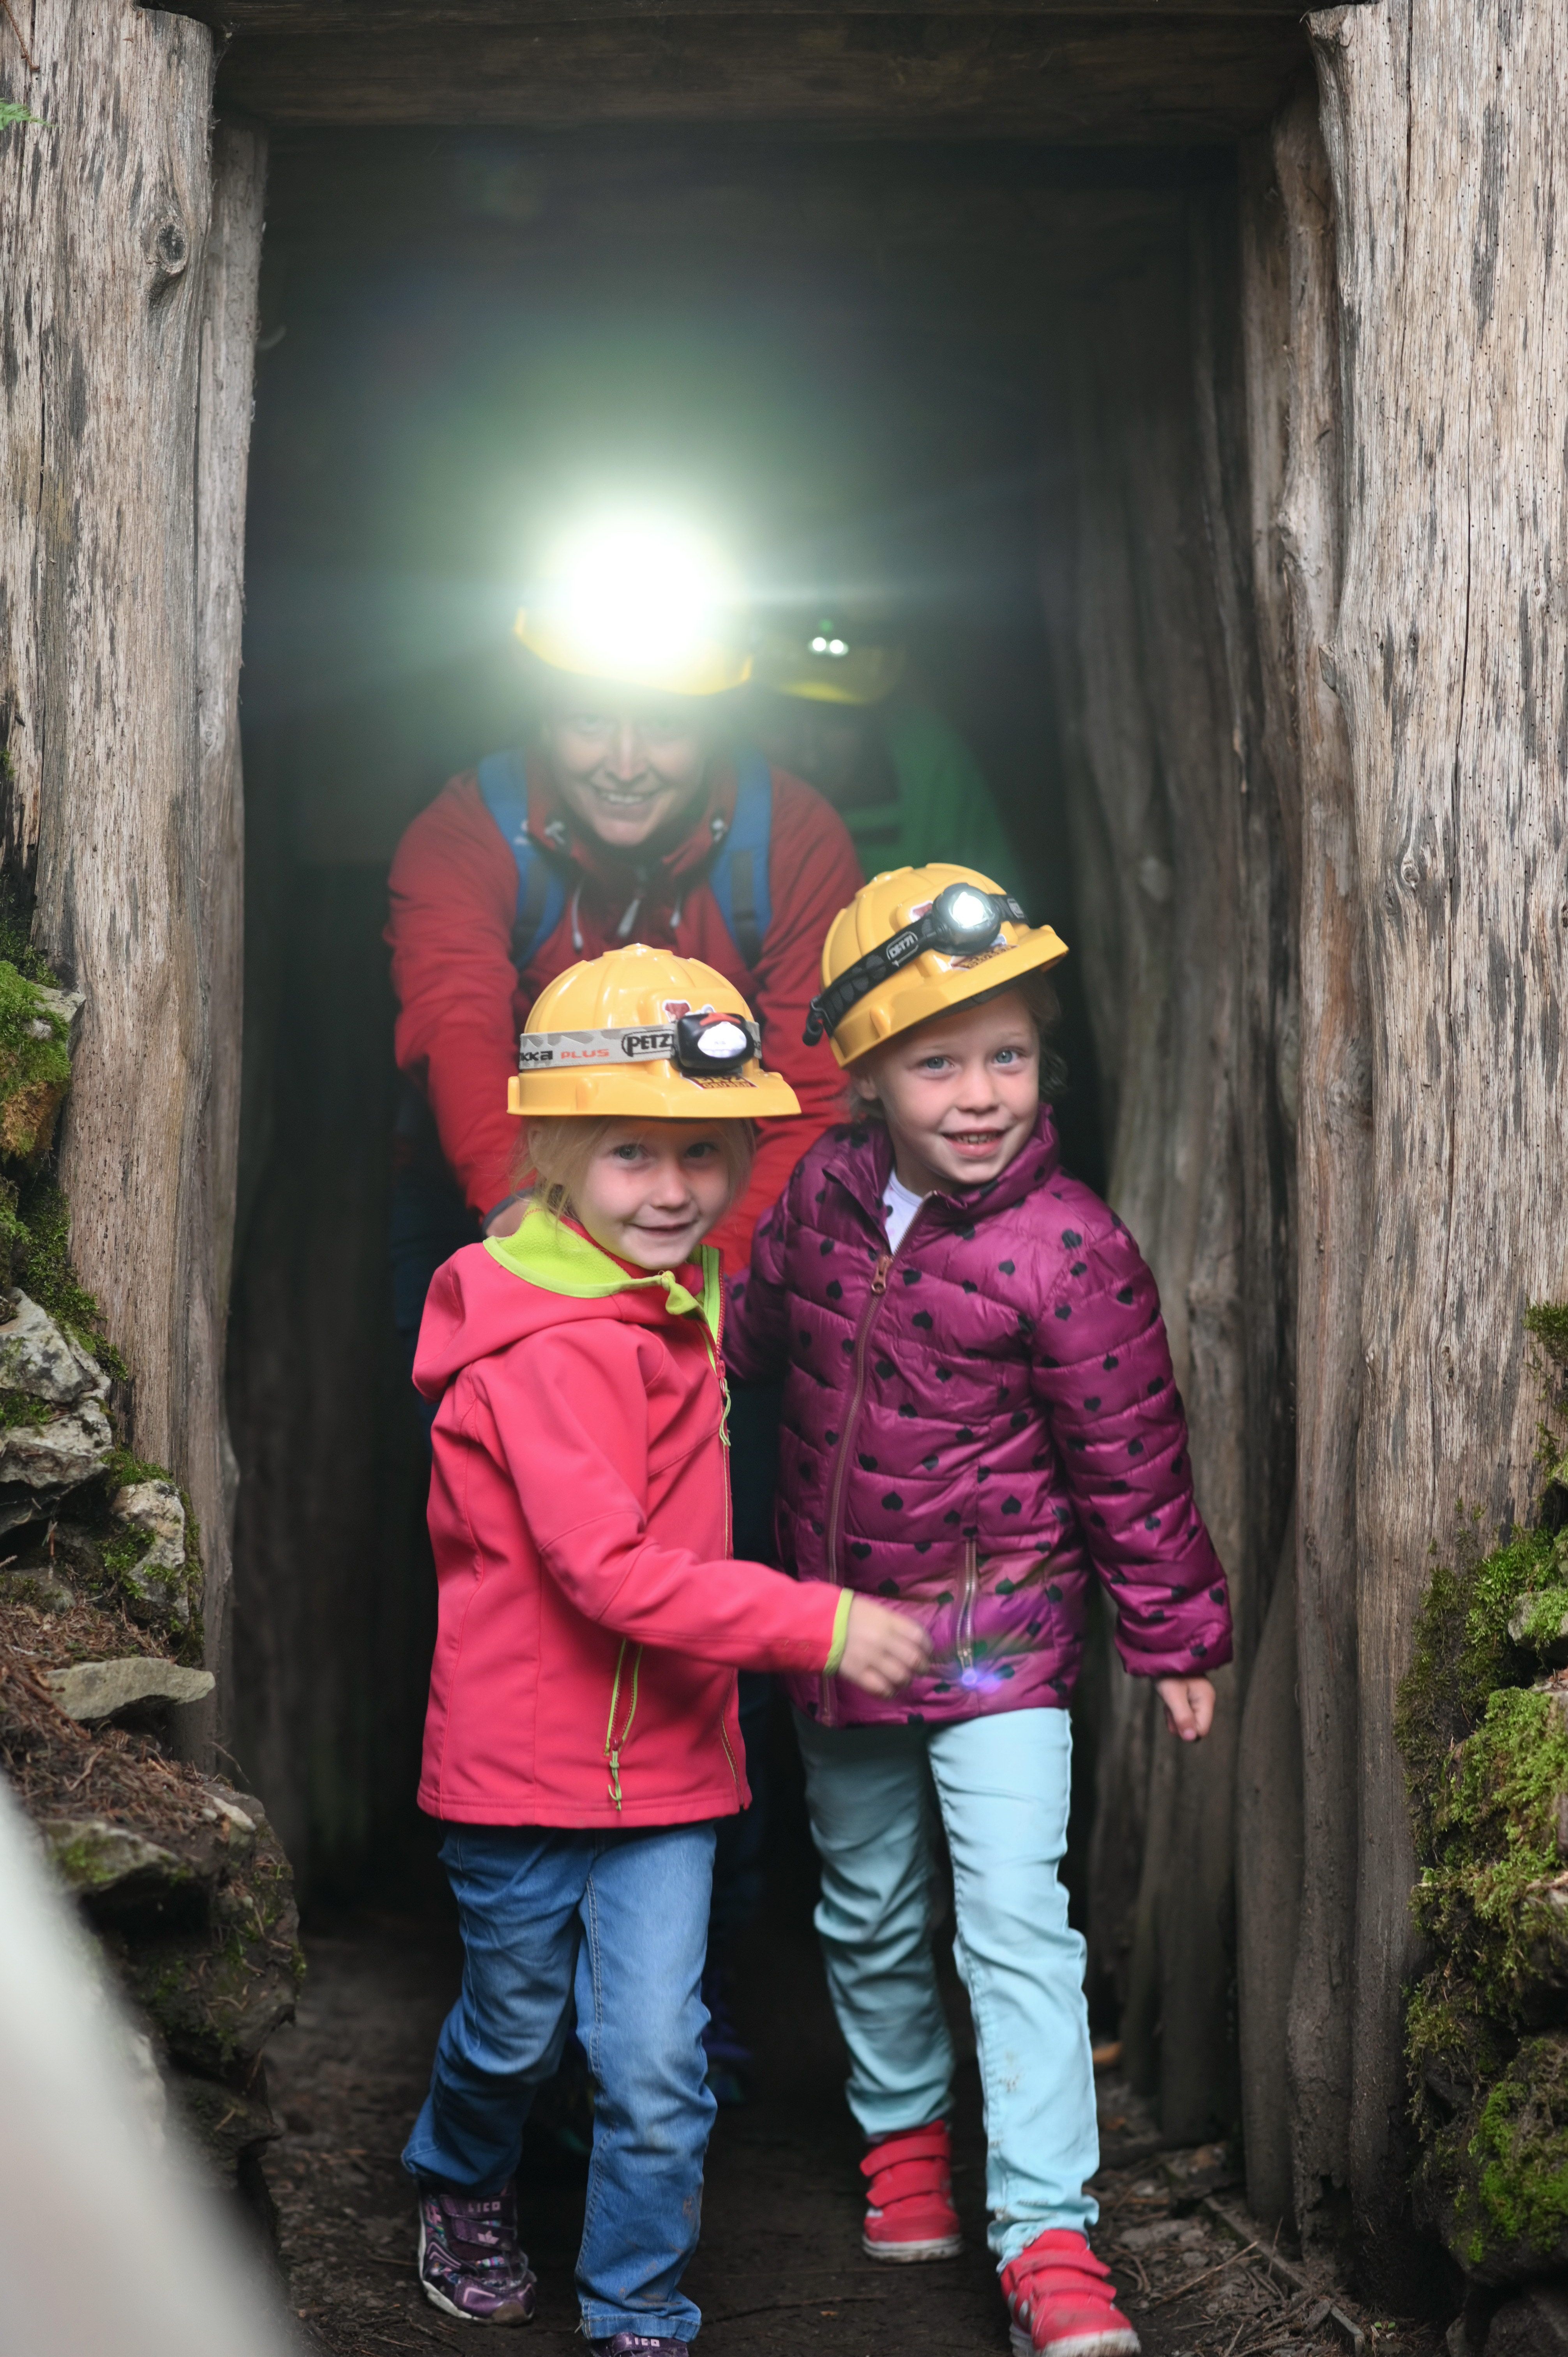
644	1034
828	662
913	943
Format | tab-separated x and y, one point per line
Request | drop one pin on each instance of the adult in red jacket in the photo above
630	818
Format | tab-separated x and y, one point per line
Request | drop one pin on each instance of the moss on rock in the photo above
1484	1741
1494	1833
35	1065
42	1267
1463	1654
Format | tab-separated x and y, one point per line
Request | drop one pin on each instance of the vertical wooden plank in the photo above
1442	123
232	268
1183	898
1268	1764
1333	1175
130	250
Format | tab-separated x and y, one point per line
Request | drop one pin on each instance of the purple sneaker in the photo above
471	2263
637	2344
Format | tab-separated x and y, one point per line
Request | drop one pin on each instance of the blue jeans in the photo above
1002	1785
621	1918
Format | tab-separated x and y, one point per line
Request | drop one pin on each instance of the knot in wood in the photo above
168	245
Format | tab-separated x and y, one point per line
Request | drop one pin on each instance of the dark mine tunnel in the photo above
990	393
853	362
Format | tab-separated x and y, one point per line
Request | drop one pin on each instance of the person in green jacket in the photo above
829	706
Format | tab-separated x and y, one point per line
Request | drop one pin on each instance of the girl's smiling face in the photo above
959	1094
653	1189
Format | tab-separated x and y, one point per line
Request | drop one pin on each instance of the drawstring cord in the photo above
623	930
613	1741
576	927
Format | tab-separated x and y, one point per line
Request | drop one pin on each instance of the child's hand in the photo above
883	1650
1190	1705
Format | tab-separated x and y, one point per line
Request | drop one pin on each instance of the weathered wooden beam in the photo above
365	19
1450	659
128	250
1069	78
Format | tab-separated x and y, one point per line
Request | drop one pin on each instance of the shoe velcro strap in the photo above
1062	2270
909	2180
923	2145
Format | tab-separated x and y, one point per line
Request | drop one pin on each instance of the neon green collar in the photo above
546	1253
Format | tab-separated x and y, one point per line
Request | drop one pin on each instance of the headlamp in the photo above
962	918
712	1043
704	1046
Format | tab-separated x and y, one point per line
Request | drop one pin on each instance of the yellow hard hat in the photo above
640	602
913	943
647	1035
829	663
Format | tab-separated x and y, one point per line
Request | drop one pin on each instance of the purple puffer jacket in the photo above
973	1423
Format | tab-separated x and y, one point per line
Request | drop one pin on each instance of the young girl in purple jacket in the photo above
978	1412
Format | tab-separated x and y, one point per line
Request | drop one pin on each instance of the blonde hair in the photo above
560	1149
1039	997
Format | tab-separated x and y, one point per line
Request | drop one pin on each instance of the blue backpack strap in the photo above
739	871
541	888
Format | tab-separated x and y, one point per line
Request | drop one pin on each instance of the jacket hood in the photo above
492	1295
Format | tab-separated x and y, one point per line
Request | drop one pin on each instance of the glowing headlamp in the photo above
642	599
962	919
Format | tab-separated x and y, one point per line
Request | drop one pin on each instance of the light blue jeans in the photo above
621	1918
1002	1784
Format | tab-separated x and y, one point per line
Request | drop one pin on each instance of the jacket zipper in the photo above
614	1741
729	1755
966	1611
715	1359
846	1444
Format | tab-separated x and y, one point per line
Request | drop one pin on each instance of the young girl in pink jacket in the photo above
582	1735
979	1414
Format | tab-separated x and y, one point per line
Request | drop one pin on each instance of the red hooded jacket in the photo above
589	1618
454	902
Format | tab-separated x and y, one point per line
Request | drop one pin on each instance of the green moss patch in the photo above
1548	1321
40	1220
1463	1654
1494	1830
1519	2154
1484	1741
19	1409
34	1067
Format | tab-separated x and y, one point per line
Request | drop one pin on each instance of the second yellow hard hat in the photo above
647	1035
913	943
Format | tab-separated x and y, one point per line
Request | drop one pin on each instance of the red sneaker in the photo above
1060	2298
909	2203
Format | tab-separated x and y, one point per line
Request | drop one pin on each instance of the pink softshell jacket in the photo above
589	1615
974	1423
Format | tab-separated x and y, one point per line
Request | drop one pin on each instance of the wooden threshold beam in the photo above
1079	77
373	19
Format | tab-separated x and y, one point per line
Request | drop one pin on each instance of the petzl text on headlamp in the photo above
962	919
703	1046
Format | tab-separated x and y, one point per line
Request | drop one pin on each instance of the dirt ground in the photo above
780	2265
